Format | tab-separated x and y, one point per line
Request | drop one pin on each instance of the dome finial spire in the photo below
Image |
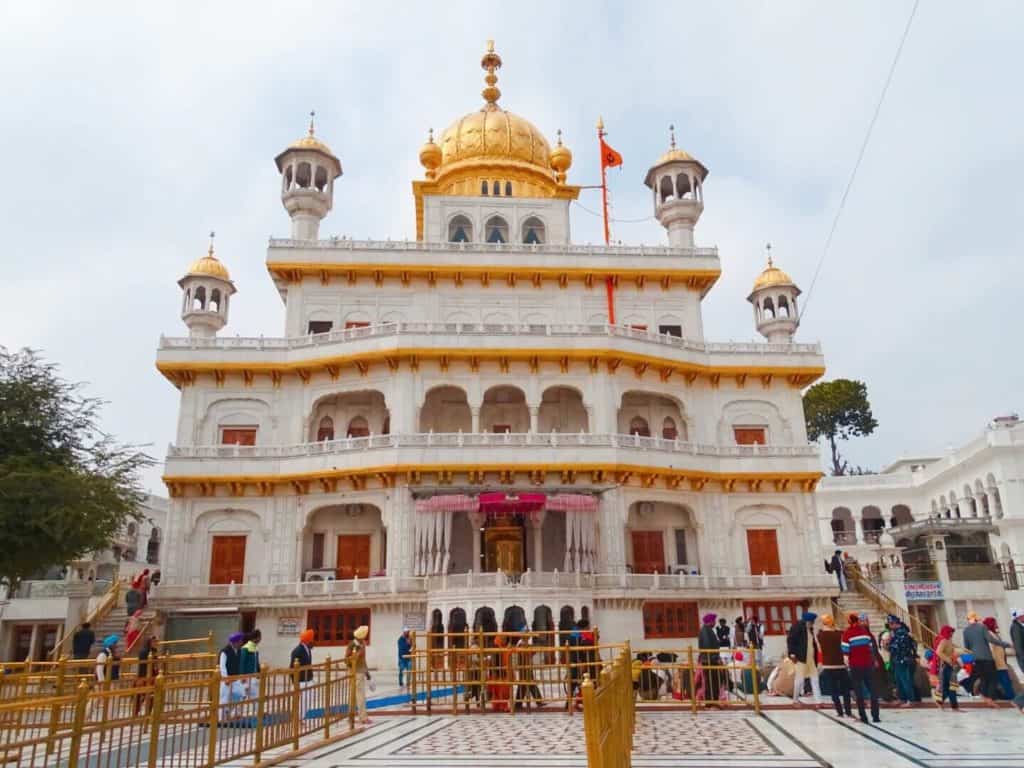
672	136
491	62
212	235
768	250
312	116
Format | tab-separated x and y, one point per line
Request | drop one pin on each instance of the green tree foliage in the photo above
838	410
66	488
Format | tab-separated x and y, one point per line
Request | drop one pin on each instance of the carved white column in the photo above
475	413
476	520
538	541
534	417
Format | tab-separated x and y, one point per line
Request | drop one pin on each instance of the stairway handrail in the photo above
924	634
106	605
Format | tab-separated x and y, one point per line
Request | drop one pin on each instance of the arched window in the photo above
304	175
533	231
508	189
683	189
460	230
496	229
638	426
783	307
153	547
483	187
358	427
199	300
667	191
326	429
320	178
215	300
668	429
769	308
496	188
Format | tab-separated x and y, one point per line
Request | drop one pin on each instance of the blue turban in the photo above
809	617
110	641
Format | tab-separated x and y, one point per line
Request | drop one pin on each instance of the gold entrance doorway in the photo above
503	547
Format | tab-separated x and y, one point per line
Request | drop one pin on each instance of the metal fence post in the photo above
327	699
55	709
261	709
78	724
214	696
296	705
155	714
591	724
755	683
693	682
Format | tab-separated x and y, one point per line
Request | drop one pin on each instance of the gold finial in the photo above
600	123
212	235
768	248
430	135
491	62
672	136
312	115
559	133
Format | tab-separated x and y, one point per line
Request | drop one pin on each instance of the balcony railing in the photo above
551	249
488	439
844	537
576	330
975	572
383	586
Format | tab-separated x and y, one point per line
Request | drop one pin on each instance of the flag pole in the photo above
609	286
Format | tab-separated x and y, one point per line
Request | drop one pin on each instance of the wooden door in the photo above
227	561
648	552
503	549
353	556
763	548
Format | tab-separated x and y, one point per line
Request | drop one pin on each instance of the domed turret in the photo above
308	169
561	159
206	287
774	299
677	180
430	155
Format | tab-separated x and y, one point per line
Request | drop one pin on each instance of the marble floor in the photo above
925	738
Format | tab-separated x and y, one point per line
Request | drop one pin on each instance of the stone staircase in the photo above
113	624
854	602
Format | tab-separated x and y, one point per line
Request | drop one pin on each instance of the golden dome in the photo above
492	134
430	154
208	266
311	142
675	154
772	276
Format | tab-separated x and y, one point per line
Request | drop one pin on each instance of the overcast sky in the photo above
130	131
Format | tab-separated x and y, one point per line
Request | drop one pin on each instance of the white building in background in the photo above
488	425
957	521
35	617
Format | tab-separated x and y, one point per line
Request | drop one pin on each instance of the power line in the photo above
578	204
860	157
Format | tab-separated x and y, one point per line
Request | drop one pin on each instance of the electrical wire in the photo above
860	157
617	221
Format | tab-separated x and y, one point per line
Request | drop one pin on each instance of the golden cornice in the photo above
695	279
184	373
327	480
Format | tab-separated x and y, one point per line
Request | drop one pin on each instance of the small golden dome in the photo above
208	266
561	158
310	141
772	276
430	154
675	154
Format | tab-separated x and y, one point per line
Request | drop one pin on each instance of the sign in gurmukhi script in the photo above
415	621
288	625
924	590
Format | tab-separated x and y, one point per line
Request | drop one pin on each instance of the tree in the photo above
66	488
838	410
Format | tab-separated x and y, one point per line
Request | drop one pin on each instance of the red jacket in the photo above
858	647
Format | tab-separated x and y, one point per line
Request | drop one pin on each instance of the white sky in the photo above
131	130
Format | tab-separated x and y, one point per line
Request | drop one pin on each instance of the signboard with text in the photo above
923	590
415	621
288	625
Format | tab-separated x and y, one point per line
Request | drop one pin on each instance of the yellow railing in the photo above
609	715
509	672
106	605
195	721
920	631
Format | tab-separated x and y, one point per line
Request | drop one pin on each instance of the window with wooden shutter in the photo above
335	627
777	617
670	619
749	435
238	435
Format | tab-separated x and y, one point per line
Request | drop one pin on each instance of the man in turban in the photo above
302	657
230	667
710	658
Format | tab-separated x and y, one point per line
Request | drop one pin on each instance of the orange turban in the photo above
827	620
306	636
